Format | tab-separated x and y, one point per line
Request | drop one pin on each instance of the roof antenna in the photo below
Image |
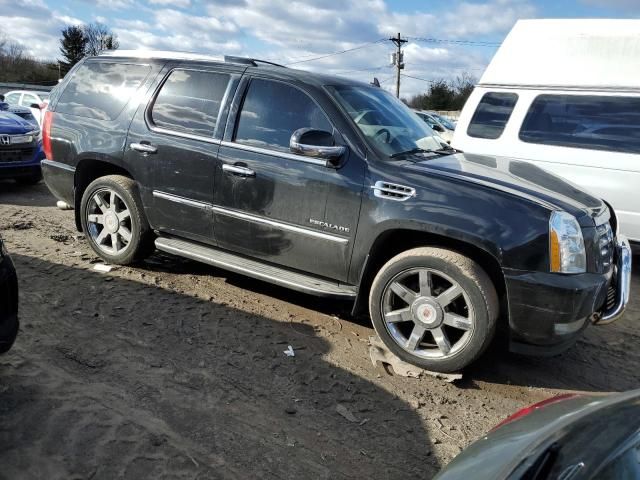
375	82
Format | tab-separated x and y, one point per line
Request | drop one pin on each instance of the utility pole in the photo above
398	60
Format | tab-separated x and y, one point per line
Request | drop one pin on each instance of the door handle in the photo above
143	147
238	170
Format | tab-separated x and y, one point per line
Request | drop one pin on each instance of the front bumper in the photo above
8	303
12	165
622	284
547	311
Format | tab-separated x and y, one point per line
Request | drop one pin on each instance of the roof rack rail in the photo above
162	54
250	61
143	53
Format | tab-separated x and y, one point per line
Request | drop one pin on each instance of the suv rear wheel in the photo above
113	220
434	308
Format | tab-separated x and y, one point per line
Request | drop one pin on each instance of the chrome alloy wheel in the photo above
427	313
109	221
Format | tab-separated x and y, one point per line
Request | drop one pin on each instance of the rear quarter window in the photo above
100	90
491	115
594	122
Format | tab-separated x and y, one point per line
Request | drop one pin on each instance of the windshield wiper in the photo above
440	151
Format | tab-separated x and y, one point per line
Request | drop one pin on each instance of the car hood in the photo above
11	124
516	177
504	449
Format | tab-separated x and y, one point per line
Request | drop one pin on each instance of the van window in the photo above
492	115
272	111
584	121
100	90
189	101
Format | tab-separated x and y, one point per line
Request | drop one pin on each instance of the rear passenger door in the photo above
177	136
281	207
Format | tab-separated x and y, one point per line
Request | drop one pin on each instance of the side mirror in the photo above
438	128
35	105
316	143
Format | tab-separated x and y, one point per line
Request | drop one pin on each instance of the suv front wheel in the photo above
434	308
113	220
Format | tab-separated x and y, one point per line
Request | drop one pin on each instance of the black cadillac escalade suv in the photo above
334	188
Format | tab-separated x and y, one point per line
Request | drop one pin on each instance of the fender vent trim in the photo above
393	191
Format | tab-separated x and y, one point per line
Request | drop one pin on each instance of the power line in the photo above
421	79
342	72
365	45
469	43
385	80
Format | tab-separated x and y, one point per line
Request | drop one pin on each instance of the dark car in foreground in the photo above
334	188
20	144
8	300
569	437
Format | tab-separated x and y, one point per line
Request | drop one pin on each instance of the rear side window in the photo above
272	111
189	102
584	121
492	115
101	90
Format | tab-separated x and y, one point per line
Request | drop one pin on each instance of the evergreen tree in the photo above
73	46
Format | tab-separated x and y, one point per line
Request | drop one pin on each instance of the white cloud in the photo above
173	3
289	30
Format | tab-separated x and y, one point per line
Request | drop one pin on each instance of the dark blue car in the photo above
20	144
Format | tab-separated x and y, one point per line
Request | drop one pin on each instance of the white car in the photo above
436	124
28	98
565	95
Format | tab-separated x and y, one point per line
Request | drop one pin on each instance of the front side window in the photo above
100	90
189	102
272	111
389	126
492	115
584	121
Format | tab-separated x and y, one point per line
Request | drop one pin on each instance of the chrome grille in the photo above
605	247
611	297
393	191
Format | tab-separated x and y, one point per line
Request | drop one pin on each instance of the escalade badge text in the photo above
337	228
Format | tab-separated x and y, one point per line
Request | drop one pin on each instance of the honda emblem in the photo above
5	140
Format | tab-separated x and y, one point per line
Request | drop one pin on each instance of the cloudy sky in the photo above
446	37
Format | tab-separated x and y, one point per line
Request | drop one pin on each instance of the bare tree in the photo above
17	65
99	38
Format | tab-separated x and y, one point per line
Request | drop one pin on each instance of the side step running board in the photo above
252	268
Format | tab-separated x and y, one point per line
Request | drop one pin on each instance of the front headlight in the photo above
566	244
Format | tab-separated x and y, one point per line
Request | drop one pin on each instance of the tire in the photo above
121	215
441	333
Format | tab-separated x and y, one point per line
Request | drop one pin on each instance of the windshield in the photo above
446	123
388	124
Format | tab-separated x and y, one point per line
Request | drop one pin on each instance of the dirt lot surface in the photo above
174	369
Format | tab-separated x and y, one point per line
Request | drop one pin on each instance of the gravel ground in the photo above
174	369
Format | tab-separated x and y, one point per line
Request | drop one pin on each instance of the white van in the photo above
565	95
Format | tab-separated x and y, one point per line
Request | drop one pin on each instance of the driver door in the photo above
281	207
